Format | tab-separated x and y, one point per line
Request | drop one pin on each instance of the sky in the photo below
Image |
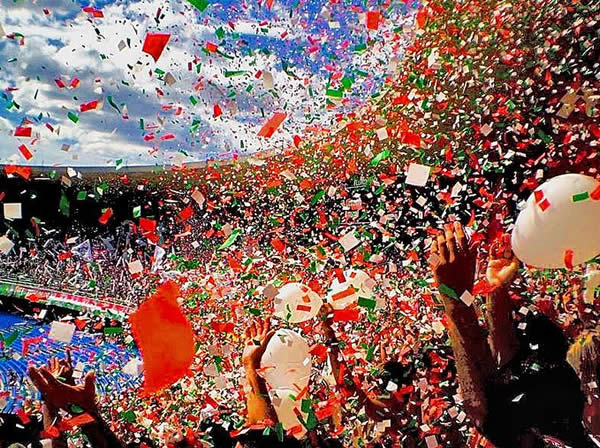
227	69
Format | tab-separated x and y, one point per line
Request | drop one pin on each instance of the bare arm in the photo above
453	267
501	269
59	395
376	409
258	403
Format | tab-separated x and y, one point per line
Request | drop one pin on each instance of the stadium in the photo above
300	224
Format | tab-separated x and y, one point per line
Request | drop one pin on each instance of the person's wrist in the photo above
251	363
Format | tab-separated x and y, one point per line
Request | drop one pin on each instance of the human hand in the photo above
62	369
325	317
257	336
60	395
503	264
454	265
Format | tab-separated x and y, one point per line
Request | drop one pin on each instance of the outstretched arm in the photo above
259	406
376	409
501	270
60	395
453	265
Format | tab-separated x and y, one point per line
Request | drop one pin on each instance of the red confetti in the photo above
538	195
25	152
373	19
271	126
88	106
96	13
595	195
186	213
105	216
155	43
544	205
568	258
278	245
347	315
165	338
217	111
23	132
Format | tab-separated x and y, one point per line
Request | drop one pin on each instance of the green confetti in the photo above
129	416
317	197
230	74
367	303
234	236
579	197
193	100
333	93
81	195
200	5
137	211
64	206
447	291
379	157
113	104
74	118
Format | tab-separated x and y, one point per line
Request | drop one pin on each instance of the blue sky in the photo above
305	47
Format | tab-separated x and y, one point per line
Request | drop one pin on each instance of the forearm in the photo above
258	402
100	435
376	410
50	418
503	340
472	354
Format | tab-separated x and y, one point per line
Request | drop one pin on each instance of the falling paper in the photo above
349	241
155	43
61	331
12	210
6	245
165	338
135	267
271	126
417	174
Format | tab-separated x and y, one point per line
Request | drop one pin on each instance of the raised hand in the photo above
257	336
453	261
503	264
60	395
326	319
62	369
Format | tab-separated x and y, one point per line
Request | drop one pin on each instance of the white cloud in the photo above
68	44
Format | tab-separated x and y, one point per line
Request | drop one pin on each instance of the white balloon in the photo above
554	223
296	302
358	284
286	362
286	408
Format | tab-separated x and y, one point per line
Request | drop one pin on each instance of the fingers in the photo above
507	247
50	380
253	330
449	236
37	379
266	327
268	337
441	247
89	382
69	359
461	238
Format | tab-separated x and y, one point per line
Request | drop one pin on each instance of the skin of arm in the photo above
259	406
453	264
376	410
501	270
60	395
